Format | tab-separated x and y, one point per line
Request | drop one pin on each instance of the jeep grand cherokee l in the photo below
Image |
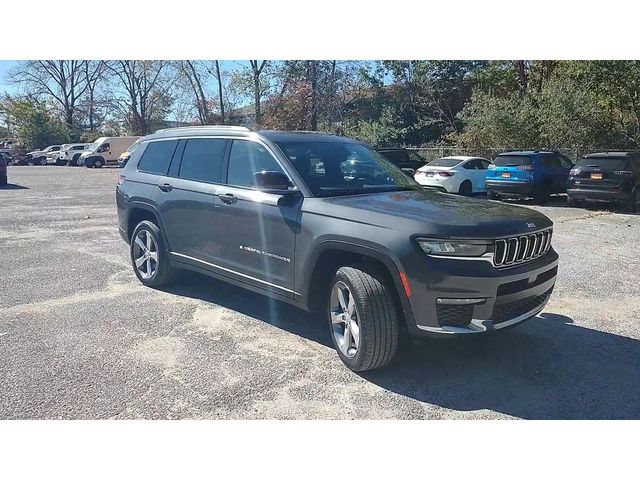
324	222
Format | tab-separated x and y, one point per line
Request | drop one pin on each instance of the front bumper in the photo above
598	195
501	297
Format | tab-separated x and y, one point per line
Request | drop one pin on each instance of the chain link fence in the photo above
433	152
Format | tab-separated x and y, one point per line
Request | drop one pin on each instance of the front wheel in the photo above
149	256
99	163
363	320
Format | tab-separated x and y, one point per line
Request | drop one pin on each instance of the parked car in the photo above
124	157
407	160
458	174
606	177
3	169
39	157
275	212
526	174
104	151
70	153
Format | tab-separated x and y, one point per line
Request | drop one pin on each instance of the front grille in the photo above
454	315
508	311
515	250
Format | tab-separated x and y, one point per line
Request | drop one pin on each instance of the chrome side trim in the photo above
480	326
249	277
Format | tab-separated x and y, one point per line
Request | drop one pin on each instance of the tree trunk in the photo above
314	95
220	97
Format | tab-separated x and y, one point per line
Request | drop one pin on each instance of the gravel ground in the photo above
81	338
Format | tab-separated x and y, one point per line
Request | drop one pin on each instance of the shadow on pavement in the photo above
547	368
13	186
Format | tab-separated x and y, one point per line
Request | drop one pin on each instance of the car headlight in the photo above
454	248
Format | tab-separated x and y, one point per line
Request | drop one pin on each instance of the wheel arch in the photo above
330	255
139	212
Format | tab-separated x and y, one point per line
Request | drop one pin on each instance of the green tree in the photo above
33	123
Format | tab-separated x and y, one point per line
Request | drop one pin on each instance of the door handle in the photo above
228	198
165	187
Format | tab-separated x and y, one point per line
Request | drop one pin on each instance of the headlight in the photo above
454	248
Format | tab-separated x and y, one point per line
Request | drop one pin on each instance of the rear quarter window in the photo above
157	157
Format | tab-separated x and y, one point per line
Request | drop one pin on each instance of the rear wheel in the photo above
362	319
465	188
149	256
541	195
633	204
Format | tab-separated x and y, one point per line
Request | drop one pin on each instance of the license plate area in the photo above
596	176
506	174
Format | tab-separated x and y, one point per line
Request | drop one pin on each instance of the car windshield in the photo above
340	168
604	163
94	146
512	160
444	162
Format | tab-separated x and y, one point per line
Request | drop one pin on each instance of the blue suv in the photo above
522	174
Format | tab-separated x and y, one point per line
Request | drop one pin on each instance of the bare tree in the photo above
191	72
65	81
256	69
146	86
93	72
220	95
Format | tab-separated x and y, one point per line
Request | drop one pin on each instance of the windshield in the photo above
512	160
337	168
604	163
94	146
444	162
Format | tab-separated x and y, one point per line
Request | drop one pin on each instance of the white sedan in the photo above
458	174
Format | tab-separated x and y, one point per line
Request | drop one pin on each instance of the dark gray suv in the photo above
324	222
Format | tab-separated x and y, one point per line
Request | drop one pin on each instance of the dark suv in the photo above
407	160
3	168
291	215
606	177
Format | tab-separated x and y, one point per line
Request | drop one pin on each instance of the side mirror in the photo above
273	182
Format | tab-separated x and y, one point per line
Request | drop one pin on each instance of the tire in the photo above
541	195
572	202
466	188
98	163
163	272
374	315
492	195
633	204
3	180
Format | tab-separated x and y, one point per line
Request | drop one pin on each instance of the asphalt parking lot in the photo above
81	338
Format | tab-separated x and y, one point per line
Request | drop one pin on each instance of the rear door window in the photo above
157	156
512	160
202	159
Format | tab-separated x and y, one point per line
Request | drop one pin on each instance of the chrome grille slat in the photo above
515	250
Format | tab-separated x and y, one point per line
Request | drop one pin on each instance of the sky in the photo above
5	66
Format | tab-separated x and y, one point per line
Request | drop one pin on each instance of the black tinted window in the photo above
202	159
604	163
512	160
247	158
157	156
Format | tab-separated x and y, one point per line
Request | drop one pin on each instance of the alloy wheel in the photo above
145	254
345	325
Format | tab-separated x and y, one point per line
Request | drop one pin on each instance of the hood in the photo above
443	215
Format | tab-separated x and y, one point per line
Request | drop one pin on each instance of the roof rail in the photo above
222	127
311	132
